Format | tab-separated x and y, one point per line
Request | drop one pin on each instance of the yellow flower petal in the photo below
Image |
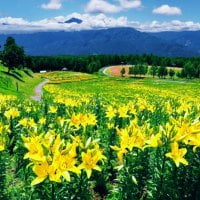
89	172
37	180
66	175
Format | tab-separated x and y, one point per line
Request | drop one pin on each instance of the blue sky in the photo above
140	14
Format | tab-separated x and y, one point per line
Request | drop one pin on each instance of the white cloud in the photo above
174	25
90	22
127	4
52	5
101	6
167	10
13	21
58	23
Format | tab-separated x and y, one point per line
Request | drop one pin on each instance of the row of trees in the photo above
138	69
90	64
189	70
80	63
142	70
13	56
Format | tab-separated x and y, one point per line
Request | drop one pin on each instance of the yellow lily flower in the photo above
34	146
41	170
13	112
110	113
123	110
194	140
90	160
53	109
177	154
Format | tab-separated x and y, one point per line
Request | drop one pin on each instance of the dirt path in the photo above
104	71
38	91
117	71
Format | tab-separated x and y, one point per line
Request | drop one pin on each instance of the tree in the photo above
144	69
162	72
189	70
197	70
28	62
12	55
136	70
153	70
171	73
93	66
140	69
130	71
123	71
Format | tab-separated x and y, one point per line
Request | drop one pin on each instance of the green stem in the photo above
11	138
52	191
162	178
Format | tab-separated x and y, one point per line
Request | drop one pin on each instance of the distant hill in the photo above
104	41
74	20
188	39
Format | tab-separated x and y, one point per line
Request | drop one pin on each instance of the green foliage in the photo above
25	79
162	72
142	69
12	55
146	173
188	70
171	73
134	70
93	66
123	71
153	70
81	63
3	165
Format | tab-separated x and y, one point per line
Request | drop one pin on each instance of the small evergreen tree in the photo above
28	62
123	71
136	70
153	71
130	70
189	70
162	72
197	71
171	73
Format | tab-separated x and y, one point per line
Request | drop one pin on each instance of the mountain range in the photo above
108	41
188	39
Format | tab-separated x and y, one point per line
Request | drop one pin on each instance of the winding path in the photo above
38	91
104	71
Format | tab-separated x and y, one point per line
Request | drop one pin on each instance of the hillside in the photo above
104	41
25	80
189	39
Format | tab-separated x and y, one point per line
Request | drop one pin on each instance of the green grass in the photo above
25	80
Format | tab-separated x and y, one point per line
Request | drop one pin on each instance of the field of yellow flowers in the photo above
102	138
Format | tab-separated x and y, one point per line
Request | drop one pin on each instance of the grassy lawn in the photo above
25	80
